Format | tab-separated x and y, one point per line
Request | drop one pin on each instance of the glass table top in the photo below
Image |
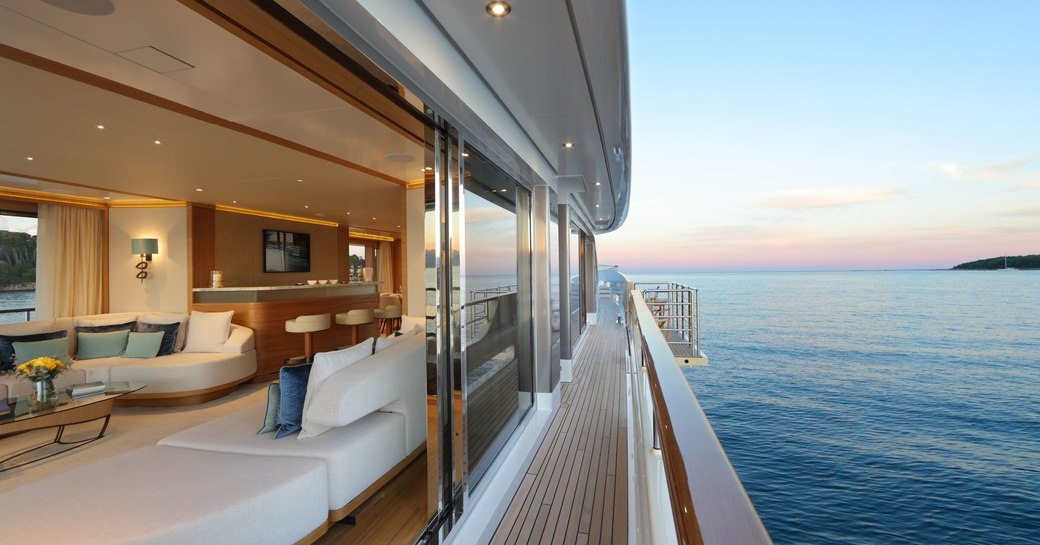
26	407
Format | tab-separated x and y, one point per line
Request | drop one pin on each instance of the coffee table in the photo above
27	415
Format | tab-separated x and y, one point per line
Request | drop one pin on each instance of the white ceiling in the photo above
54	118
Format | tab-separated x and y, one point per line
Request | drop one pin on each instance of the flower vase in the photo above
45	392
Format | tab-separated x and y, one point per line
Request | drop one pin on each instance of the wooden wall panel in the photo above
202	244
274	345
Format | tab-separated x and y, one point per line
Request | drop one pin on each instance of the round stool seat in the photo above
308	324
389	319
356	317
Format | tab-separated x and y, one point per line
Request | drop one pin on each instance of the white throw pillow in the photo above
169	318
325	365
208	331
382	343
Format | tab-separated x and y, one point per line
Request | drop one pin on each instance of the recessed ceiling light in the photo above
107	198
157	142
498	9
373	218
428	168
234	202
348	213
464	154
320	214
199	189
597	206
568	145
598	184
28	158
306	206
299	179
398	226
100	126
399	158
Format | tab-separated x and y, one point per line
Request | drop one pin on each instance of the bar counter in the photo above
265	309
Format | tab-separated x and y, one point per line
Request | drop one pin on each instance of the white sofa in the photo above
221	483
175	379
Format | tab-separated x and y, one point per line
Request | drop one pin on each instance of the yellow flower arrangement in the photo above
45	368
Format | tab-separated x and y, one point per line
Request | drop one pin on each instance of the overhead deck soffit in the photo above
268	113
560	67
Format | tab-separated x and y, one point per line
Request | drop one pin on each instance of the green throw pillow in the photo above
52	348
143	345
101	345
271	416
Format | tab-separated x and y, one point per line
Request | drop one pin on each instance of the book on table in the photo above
88	388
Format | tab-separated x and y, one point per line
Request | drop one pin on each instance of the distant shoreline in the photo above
19	287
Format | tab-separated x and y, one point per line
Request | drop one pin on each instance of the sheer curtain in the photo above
69	261
385	274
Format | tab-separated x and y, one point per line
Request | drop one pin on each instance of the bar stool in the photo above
354	318
308	325
389	319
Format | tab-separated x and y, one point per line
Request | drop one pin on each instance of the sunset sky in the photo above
819	135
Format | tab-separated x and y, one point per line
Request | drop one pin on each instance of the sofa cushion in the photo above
271	412
382	343
168	341
354	392
208	331
325	365
182	372
165	318
355	456
172	496
7	352
292	393
143	345
101	345
57	348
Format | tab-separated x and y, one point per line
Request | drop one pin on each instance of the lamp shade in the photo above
144	246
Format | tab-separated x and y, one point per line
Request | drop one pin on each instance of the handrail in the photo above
708	503
25	310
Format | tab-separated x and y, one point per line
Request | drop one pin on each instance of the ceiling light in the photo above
498	9
568	145
306	206
234	202
373	218
107	198
157	142
199	189
598	184
28	158
348	213
597	206
464	154
100	126
428	168
299	179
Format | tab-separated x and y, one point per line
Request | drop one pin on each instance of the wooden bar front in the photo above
267	320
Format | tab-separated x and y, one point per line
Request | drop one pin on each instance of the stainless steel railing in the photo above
677	309
686	491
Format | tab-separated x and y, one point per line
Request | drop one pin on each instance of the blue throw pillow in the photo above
292	392
7	349
169	340
129	326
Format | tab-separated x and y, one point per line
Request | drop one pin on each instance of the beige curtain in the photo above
69	261
385	274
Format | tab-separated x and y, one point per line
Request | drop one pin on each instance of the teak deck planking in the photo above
576	490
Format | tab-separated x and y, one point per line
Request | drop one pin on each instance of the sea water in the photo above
877	407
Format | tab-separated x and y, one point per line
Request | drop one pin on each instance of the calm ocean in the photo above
878	407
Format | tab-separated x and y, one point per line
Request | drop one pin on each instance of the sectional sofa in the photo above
224	357
222	482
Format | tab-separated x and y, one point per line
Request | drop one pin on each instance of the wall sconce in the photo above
144	247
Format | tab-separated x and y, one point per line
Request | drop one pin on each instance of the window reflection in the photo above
497	363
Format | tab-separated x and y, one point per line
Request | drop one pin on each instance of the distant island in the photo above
994	263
